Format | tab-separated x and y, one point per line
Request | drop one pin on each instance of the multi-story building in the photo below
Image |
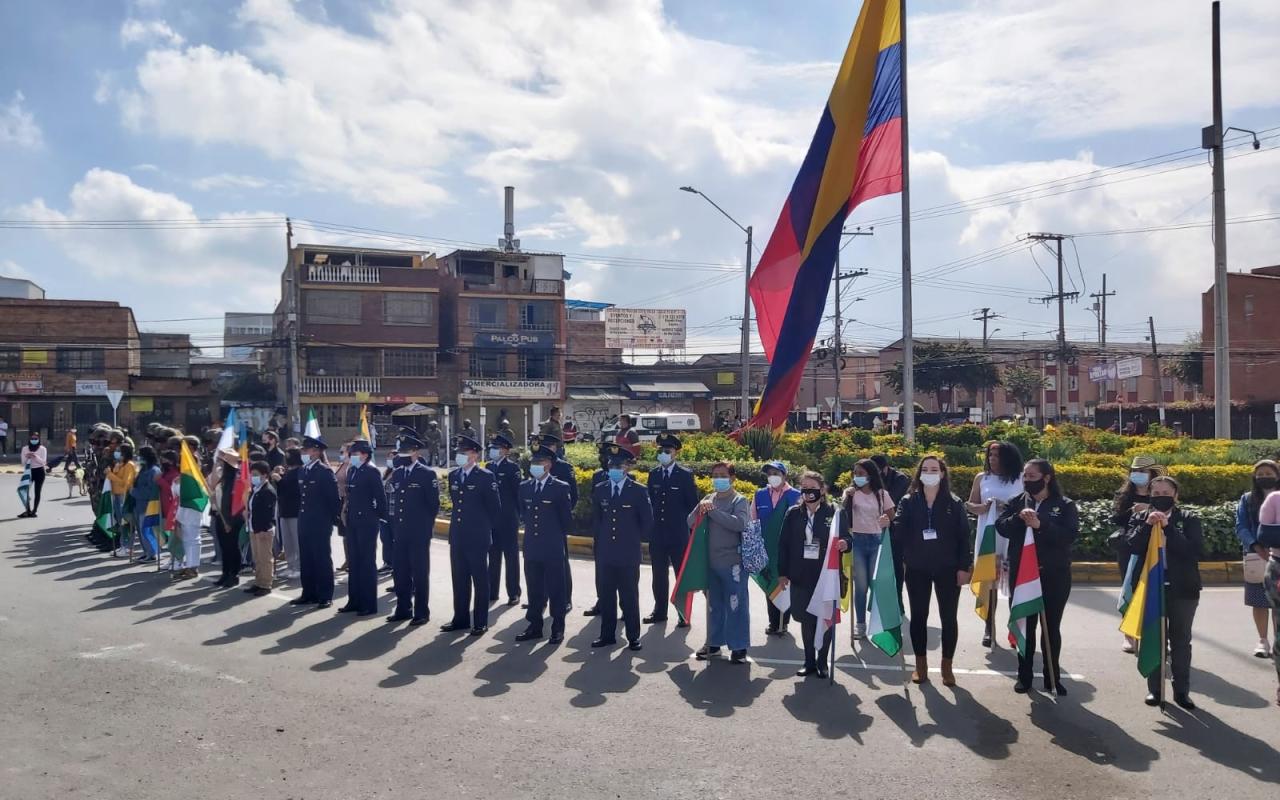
1253	334
244	334
368	333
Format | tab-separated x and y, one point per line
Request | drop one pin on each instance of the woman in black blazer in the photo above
802	554
1055	524
260	515
931	532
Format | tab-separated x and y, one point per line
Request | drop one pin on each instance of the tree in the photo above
1024	384
1187	366
940	367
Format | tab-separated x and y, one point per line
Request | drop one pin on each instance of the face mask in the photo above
931	478
35	442
537	471
722	484
616	474
1033	487
811	495
461	459
116	455
306	459
775	481
1139	478
494	454
342	457
1266	483
664	459
402	460
1164	504
860	480
357	460
256	480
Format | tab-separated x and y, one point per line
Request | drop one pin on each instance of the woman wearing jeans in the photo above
728	607
868	508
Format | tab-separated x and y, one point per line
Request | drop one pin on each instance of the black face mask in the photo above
1164	504
1033	487
402	461
811	495
1266	483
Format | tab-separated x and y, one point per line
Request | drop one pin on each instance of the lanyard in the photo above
808	529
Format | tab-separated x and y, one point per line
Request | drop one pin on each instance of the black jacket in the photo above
792	564
262	509
289	493
896	484
1184	544
951	551
1059	527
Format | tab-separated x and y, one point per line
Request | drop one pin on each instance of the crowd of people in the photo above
297	498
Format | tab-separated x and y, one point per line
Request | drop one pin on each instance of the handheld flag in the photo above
228	438
193	493
825	603
151	524
856	154
313	426
1142	620
985	570
103	520
884	617
24	487
364	426
240	491
1027	600
771	532
695	569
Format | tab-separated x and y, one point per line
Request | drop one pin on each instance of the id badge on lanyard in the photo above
930	533
811	546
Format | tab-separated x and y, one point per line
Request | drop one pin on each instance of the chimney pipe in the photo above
509	216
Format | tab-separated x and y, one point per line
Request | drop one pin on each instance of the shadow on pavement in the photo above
717	687
963	720
441	654
517	662
1222	744
1076	729
832	709
1228	694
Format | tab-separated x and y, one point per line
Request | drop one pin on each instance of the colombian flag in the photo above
856	154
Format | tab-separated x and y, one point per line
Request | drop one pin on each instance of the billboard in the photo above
524	340
657	328
527	390
1118	370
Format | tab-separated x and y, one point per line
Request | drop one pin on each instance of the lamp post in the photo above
745	402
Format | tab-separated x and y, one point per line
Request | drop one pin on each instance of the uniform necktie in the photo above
615	491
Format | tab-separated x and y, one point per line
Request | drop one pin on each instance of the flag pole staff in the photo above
1164	622
1050	671
908	354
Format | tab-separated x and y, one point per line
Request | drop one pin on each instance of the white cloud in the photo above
149	31
598	229
12	269
17	125
580	290
229	180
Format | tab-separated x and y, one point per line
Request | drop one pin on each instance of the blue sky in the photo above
410	115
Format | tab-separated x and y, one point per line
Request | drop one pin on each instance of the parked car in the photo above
650	426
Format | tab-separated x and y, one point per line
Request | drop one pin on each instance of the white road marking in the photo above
112	651
850	666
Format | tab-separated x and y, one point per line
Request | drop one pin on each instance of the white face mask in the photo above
306	459
775	481
930	478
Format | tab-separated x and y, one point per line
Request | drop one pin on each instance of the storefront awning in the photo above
411	410
669	387
587	393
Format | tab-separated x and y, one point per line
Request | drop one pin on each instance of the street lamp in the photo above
745	403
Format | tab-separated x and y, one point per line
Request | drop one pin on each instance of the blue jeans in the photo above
728	608
866	546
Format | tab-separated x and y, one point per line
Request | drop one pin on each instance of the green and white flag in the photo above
313	425
24	487
103	519
884	617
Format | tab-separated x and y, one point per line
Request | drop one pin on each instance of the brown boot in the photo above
921	674
948	677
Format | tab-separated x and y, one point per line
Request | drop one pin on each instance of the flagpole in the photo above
1050	672
831	674
908	354
1164	622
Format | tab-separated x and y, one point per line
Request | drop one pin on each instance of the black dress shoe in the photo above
1060	690
706	653
324	604
528	635
986	640
398	618
591	612
604	642
1152	699
771	630
390	589
1184	702
738	657
511	601
493	599
449	627
1020	687
347	608
367	613
524	606
556	637
682	623
820	671
261	591
416	621
479	630
653	619
634	645
252	589
806	671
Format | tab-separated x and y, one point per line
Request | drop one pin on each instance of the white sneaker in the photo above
1127	647
1263	650
121	552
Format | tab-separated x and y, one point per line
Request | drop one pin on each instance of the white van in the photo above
650	426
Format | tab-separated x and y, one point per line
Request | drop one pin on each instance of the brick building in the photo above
1253	333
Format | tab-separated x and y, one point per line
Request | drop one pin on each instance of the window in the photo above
408	308
338	415
1131	384
488	365
1166	384
80	359
537	316
537	366
332	308
476	273
487	314
409	363
10	360
1073	383
1248	306
345	361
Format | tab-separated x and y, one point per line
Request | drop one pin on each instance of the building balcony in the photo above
542	286
334	273
340	384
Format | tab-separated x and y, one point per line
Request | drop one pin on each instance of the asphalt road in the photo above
116	684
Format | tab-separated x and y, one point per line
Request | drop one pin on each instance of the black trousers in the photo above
568	580
1181	613
229	544
664	554
470	572
315	561
619	585
800	597
362	567
505	547
37	482
387	536
922	585
1056	588
545	579
411	573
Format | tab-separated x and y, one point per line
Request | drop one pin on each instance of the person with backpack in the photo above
728	607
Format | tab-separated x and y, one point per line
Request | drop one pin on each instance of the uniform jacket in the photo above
416	499
547	517
563	470
507	473
366	499
1059	527
951	551
288	495
476	508
262	509
673	499
319	505
619	524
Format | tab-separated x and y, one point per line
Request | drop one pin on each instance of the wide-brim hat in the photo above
230	456
669	440
313	441
1144	463
465	441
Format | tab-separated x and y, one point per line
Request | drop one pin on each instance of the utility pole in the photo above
1155	356
837	350
1100	303
291	303
1061	297
985	317
1211	138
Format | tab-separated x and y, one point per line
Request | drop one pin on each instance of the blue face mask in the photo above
494	454
460	459
256	480
616	474
306	459
860	480
116	455
356	459
665	458
537	471
1139	478
722	484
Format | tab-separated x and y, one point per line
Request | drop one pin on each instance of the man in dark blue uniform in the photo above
621	517
366	507
563	470
476	507
506	540
547	513
601	475
318	510
674	496
414	502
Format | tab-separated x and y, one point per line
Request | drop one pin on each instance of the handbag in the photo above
754	555
1255	568
1269	536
